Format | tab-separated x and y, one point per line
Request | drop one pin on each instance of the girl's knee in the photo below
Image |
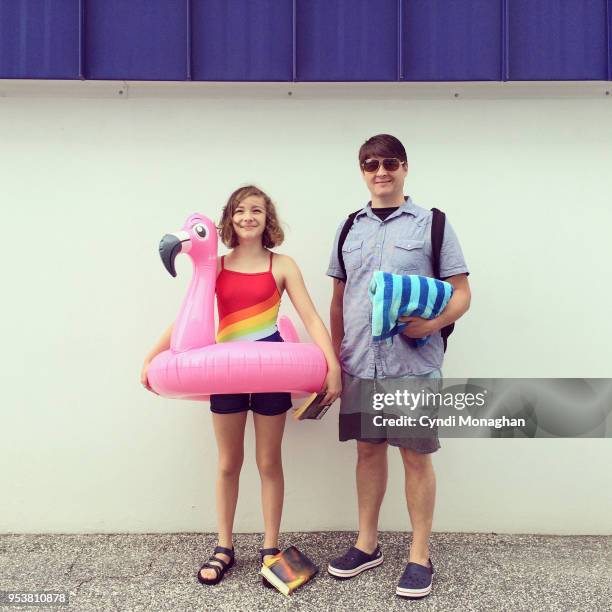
230	468
269	466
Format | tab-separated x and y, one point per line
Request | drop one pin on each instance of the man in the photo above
391	234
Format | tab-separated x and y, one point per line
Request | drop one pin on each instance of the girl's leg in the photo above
268	437
229	432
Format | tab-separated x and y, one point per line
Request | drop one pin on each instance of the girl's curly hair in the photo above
273	234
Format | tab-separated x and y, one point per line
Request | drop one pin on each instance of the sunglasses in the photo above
391	164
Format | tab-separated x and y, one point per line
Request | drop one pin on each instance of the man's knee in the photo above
415	461
369	452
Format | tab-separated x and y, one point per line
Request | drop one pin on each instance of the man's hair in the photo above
382	145
273	234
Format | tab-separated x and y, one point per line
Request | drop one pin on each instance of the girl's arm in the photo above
294	284
163	344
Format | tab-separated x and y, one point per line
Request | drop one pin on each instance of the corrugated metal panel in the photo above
610	40
136	39
347	40
242	40
558	40
307	40
452	40
39	39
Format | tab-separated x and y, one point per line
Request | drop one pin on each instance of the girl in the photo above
250	282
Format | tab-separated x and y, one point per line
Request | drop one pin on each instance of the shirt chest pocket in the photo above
351	253
408	255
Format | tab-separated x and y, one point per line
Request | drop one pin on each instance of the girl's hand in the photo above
143	377
332	386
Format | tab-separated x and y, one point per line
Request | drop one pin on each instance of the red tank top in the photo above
247	303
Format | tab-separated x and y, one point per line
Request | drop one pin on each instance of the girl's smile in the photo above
249	218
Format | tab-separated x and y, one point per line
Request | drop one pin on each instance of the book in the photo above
288	570
312	407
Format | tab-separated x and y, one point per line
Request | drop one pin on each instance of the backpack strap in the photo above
346	228
438	222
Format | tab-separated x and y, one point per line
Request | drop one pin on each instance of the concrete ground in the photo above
158	572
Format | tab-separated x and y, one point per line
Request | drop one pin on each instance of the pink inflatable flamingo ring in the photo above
195	366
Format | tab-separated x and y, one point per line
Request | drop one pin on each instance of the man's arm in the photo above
459	303
457	306
336	319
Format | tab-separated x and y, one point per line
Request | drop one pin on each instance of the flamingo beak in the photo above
170	246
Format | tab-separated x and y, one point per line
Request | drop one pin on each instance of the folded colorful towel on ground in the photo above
394	295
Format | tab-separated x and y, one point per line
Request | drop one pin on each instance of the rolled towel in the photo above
394	295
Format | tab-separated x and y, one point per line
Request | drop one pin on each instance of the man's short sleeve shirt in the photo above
401	244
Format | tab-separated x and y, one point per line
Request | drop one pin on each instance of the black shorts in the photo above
268	404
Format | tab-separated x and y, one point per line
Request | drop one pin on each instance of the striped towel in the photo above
394	295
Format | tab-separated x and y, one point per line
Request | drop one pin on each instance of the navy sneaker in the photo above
415	581
353	562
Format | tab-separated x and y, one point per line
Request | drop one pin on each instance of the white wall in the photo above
90	181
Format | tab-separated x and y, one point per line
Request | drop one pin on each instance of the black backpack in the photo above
437	235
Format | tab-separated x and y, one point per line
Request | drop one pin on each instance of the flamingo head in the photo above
198	239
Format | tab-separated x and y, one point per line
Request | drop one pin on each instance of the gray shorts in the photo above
357	412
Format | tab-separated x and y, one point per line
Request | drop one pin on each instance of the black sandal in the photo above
219	569
262	553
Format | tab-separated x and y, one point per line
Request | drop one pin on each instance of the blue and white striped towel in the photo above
394	295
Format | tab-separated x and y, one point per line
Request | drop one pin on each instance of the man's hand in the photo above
456	307
418	327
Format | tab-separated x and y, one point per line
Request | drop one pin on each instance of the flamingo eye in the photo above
200	230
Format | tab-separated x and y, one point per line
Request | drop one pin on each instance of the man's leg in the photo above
371	486
420	482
